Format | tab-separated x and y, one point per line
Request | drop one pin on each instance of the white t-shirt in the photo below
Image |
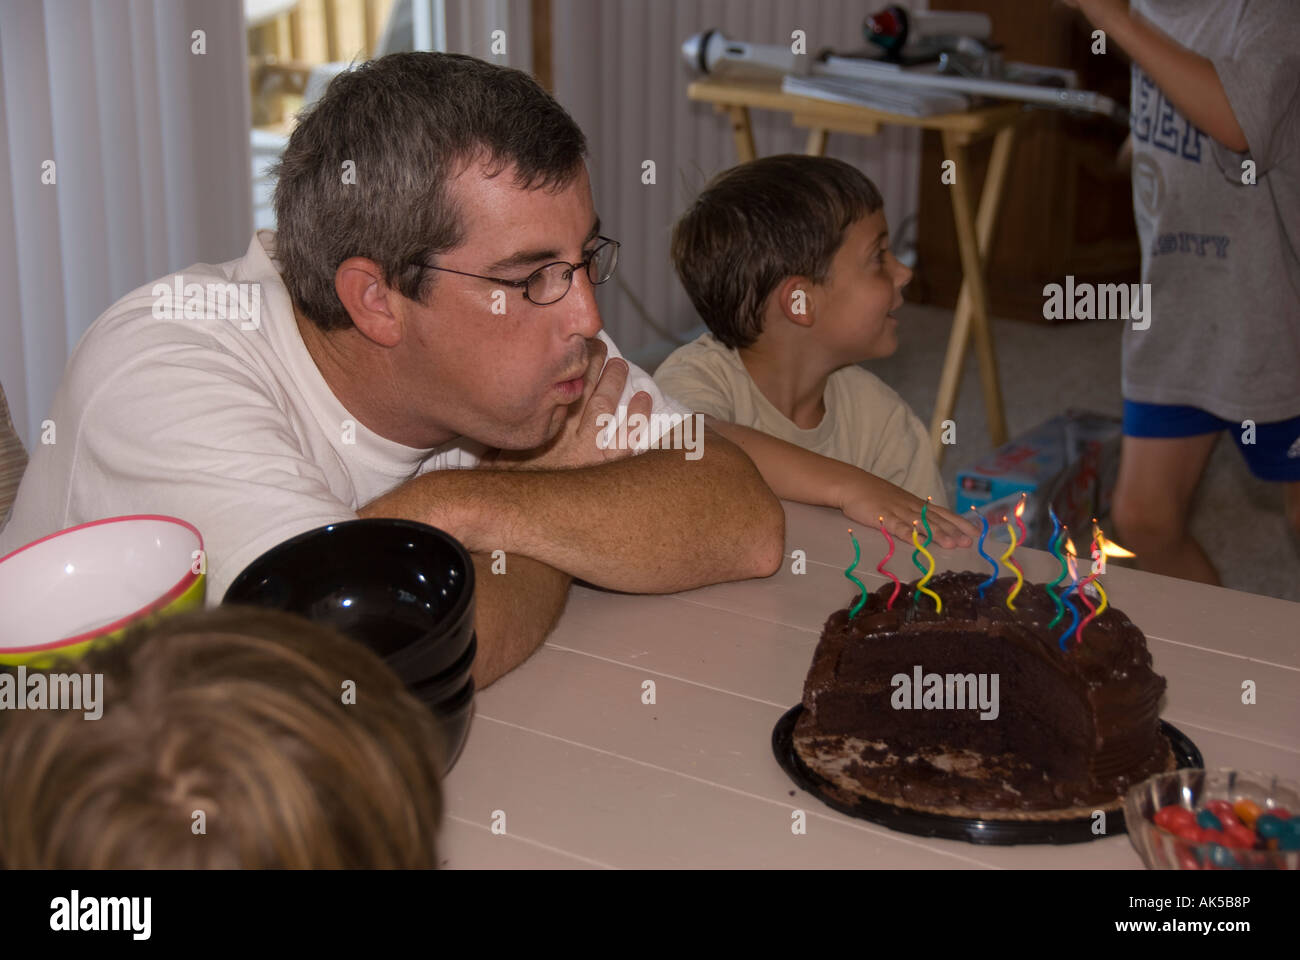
232	429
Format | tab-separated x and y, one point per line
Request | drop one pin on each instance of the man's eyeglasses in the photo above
550	283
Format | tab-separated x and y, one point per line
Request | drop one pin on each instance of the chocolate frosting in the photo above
1075	725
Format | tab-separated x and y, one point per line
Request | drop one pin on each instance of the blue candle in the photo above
993	563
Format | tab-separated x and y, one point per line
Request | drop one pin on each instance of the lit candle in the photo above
1057	534
857	555
928	537
1100	547
881	566
1009	561
992	563
1074	586
920	584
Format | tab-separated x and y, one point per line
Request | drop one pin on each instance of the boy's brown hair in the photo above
238	713
758	223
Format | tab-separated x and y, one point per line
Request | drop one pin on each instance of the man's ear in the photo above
794	297
375	308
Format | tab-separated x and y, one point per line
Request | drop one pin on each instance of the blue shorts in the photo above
1274	456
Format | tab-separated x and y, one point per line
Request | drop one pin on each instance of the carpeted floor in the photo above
1044	369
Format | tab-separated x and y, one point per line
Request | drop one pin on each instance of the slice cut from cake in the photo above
978	711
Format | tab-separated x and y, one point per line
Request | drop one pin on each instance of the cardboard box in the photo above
1070	462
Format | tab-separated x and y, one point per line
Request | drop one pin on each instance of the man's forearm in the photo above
1188	79
652	523
513	612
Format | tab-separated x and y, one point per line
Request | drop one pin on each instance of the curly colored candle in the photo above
881	566
1093	612
1058	533
928	537
920	584
857	555
1074	613
1105	602
1007	559
1099	544
992	563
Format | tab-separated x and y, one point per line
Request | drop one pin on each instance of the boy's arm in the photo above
794	473
1189	80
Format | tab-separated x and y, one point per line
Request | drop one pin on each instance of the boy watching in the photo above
239	713
787	260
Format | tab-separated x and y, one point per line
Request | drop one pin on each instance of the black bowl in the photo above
454	714
404	589
451	681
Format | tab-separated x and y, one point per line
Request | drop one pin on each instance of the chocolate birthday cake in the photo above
978	710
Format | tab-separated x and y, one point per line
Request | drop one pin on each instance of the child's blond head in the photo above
225	741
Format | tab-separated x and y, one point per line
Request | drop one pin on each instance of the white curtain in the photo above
149	145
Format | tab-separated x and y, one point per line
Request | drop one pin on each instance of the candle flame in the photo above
1020	507
1109	548
1069	547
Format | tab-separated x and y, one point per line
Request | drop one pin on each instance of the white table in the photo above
589	776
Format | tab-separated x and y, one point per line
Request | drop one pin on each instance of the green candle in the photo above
857	555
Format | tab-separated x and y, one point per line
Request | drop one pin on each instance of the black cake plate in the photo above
970	829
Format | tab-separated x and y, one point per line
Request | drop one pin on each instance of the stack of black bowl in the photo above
404	589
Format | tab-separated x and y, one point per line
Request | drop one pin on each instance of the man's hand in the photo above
578	442
870	498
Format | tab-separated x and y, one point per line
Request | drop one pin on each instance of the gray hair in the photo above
410	123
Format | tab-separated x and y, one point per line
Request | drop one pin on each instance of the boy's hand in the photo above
871	498
576	444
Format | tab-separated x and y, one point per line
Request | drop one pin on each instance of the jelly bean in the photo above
1172	815
1222	856
1185	859
1280	812
1219	808
1268	826
1209	836
1187	831
1291	826
1238	837
1247	811
1208	821
1288	842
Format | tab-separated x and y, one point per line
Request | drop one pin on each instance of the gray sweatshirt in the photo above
1222	256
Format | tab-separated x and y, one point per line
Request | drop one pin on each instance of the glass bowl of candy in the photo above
1215	820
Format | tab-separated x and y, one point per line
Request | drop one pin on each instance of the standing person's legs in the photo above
1291	492
1158	477
1274	456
